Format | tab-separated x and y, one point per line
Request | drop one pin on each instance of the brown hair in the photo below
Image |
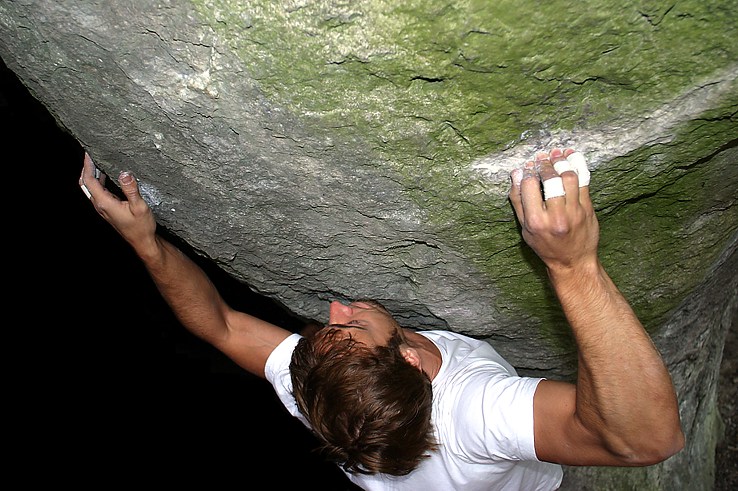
370	407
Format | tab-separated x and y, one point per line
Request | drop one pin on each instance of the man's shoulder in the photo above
454	339
279	359
441	334
462	352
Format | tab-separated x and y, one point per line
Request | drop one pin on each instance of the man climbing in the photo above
407	408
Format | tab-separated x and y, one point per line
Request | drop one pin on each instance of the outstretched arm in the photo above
623	409
191	295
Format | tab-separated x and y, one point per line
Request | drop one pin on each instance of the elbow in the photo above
656	449
670	446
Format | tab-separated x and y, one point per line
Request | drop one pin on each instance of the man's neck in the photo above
430	356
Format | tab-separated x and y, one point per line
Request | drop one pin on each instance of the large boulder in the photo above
322	150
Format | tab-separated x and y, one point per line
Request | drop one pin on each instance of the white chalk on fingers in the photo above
517	176
86	191
579	165
553	188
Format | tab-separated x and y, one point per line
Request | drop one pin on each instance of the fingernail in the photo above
516	176
125	177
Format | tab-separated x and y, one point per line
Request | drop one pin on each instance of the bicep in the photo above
249	341
560	436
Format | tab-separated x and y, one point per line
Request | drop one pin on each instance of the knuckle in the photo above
560	228
535	223
558	225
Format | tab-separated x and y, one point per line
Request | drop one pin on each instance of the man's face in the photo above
366	321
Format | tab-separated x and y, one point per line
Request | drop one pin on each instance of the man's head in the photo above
359	385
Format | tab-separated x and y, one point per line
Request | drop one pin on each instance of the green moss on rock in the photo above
426	87
398	72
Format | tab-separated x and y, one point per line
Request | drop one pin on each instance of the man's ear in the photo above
411	356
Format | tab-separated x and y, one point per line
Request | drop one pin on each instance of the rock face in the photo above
322	150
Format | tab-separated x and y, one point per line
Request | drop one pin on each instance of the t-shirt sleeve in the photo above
497	419
277	372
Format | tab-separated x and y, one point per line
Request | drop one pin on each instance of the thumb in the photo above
129	186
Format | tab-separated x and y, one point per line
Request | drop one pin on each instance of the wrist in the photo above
150	250
582	272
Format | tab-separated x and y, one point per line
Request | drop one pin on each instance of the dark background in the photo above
106	386
111	387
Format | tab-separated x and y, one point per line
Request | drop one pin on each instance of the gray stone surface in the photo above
321	150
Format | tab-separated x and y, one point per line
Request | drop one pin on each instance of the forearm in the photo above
186	288
191	295
625	395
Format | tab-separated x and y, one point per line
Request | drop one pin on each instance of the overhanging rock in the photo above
321	150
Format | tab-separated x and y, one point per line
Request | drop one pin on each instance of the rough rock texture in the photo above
328	149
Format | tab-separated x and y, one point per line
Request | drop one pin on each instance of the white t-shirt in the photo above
482	415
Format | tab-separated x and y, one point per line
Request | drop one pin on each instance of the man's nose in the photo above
339	313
